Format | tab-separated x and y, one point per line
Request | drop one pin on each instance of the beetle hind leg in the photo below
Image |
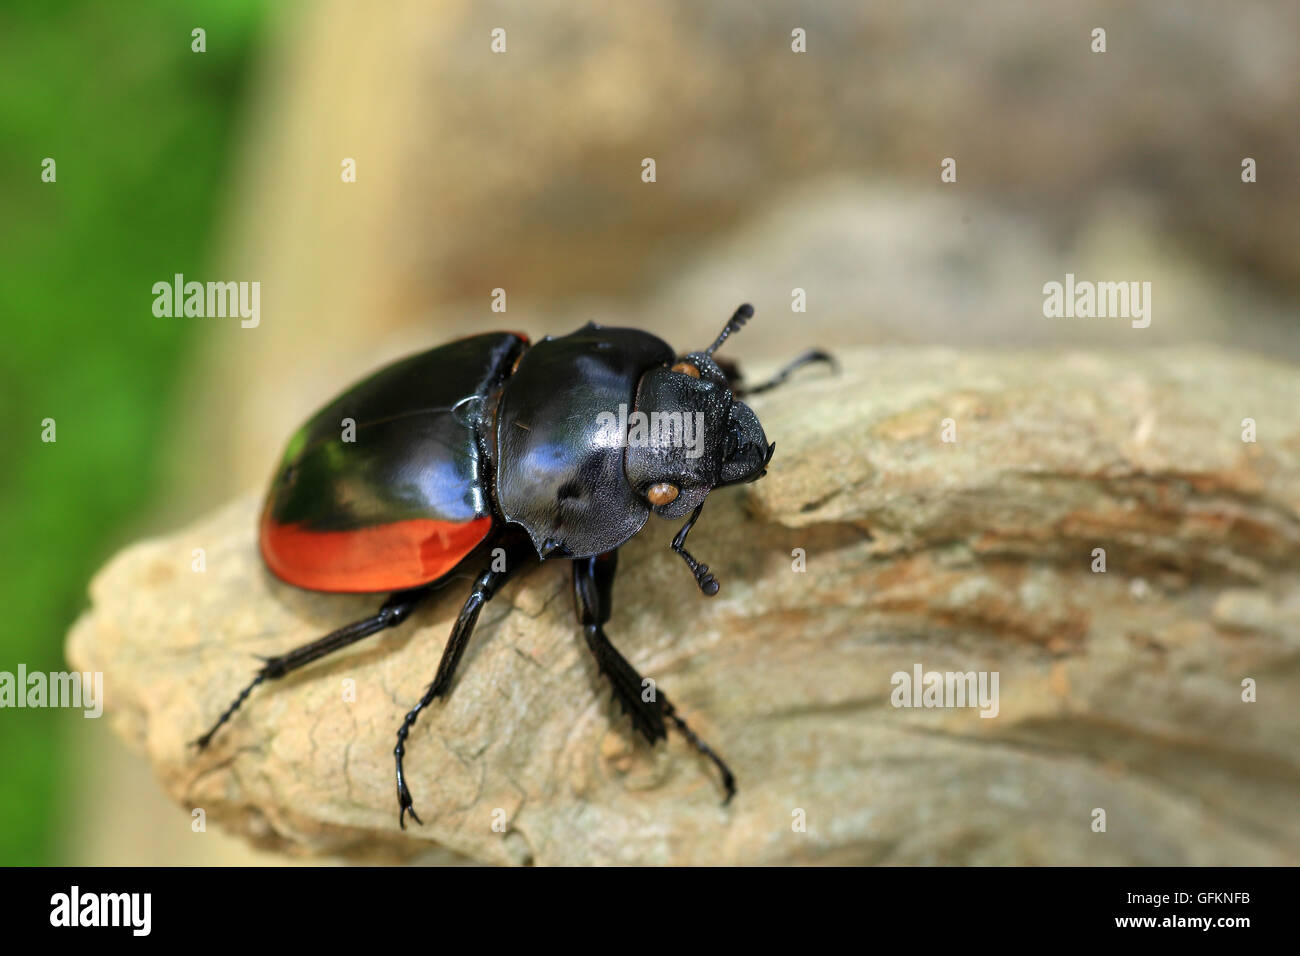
593	580
393	612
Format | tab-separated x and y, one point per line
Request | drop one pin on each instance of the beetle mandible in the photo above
490	445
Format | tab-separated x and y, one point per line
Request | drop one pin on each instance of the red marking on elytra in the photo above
386	557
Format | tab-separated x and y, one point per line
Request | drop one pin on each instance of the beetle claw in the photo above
406	806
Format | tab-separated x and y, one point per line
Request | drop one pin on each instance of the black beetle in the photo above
487	451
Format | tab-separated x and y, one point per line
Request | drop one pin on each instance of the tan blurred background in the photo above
775	170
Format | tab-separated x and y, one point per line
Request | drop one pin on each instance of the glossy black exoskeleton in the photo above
489	455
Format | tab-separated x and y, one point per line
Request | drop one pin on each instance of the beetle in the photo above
490	446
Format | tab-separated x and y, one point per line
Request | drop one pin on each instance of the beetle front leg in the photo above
593	580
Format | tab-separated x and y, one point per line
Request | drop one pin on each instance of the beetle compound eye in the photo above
686	368
662	494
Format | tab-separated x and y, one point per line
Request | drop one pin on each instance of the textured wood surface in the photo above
1119	690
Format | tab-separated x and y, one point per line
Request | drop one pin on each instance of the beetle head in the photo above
719	441
694	435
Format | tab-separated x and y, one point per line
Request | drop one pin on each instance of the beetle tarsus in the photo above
202	742
404	802
728	778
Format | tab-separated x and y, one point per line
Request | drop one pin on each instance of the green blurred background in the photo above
140	129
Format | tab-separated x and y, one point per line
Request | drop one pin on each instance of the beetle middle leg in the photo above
485	586
593	580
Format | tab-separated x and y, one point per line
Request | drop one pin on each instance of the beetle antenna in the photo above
707	582
738	318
